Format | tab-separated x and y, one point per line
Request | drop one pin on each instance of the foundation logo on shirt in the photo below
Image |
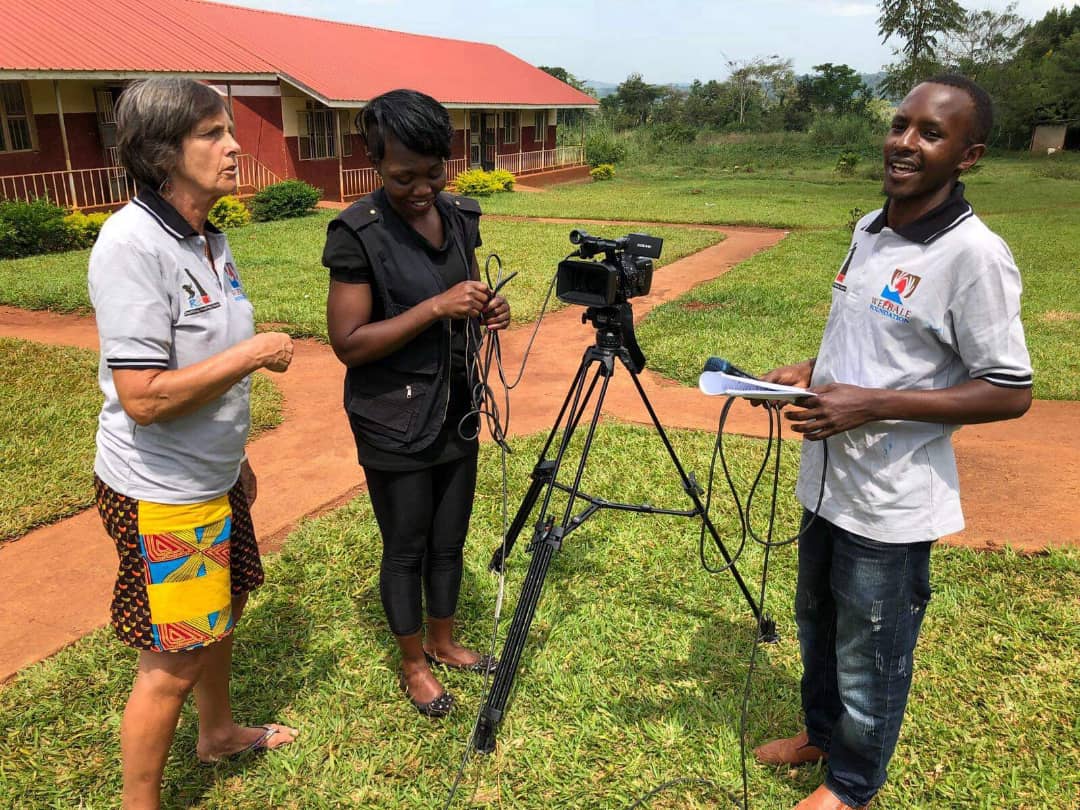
197	297
234	281
899	289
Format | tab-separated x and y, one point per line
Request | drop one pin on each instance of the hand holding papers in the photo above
719	383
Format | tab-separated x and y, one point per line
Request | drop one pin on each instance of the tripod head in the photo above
615	331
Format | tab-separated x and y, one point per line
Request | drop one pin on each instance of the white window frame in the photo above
540	125
318	132
27	115
510	127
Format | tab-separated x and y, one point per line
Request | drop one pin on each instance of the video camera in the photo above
625	270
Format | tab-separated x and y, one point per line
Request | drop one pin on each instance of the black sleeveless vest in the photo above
399	402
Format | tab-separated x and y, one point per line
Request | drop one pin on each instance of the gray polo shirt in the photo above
927	306
160	304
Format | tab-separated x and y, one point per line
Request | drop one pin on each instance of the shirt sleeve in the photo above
989	336
344	256
132	306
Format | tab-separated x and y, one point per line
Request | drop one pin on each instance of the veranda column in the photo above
340	150
64	141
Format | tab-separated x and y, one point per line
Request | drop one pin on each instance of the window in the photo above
540	125
318	132
15	118
510	127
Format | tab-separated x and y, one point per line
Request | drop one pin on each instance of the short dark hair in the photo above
984	106
153	117
415	119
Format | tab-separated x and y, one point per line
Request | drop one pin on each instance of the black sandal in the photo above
439	707
484	665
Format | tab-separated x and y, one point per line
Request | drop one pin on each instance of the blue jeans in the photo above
859	605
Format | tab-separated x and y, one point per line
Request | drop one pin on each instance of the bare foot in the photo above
421	683
452	653
243	738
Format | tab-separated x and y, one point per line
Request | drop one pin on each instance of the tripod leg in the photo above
764	622
543	472
541	475
495	704
548	540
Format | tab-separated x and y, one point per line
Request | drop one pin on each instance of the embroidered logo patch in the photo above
838	282
900	288
234	281
197	297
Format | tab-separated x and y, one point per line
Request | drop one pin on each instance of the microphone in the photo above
720	364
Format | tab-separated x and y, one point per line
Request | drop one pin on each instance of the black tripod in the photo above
614	339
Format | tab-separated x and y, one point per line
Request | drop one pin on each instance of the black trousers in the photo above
423	516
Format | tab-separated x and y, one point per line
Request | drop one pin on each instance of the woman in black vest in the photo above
403	314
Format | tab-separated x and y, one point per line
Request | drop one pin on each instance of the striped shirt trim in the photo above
136	362
966	215
1008	380
157	216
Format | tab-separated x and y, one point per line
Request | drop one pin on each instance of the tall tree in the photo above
759	82
633	100
984	38
918	23
836	89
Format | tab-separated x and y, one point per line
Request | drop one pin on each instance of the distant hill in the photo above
600	89
603	89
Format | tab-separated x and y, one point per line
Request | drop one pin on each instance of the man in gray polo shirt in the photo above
924	335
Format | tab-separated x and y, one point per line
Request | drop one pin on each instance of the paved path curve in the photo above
1019	480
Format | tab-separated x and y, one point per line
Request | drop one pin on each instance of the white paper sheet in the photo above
719	384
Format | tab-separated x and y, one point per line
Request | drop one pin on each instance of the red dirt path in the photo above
1019	481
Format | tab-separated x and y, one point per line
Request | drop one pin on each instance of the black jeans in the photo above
423	516
859	604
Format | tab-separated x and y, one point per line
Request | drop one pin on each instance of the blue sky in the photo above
665	40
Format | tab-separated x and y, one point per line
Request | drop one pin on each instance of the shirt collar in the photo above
933	223
166	216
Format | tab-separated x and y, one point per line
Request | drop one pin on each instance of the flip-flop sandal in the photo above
484	665
262	743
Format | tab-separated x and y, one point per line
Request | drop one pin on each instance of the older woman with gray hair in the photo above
174	487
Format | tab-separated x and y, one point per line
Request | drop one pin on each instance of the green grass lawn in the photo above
49	402
280	264
632	676
804	196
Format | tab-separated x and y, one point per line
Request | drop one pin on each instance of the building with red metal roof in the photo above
294	84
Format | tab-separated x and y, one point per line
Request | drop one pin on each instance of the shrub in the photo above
854	215
289	198
605	171
229	212
601	147
478	183
672	133
29	228
504	178
846	163
83	229
874	170
853	132
1056	169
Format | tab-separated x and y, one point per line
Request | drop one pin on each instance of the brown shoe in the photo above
825	799
795	750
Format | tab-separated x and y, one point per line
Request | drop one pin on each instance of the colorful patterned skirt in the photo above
180	567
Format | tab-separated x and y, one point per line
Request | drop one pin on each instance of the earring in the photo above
165	189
